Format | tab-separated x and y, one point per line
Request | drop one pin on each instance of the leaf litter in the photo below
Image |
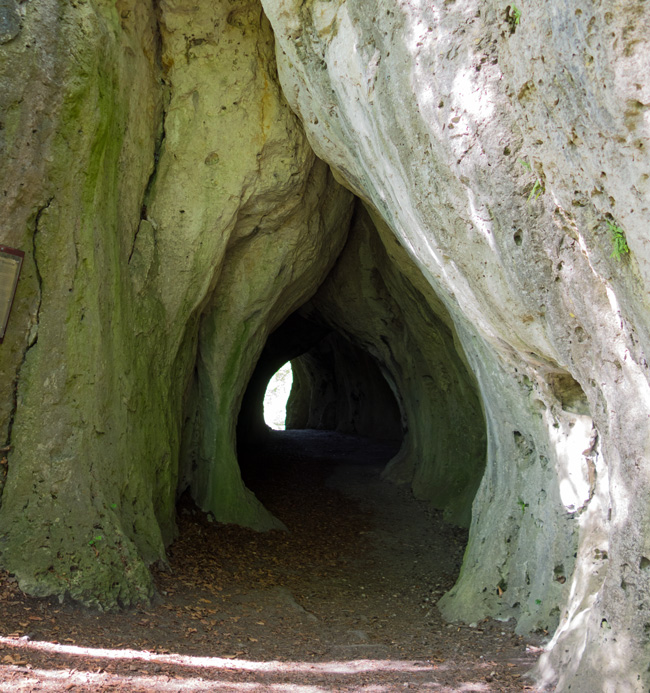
343	601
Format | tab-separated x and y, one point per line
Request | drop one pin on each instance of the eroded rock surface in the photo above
173	214
497	147
169	170
370	299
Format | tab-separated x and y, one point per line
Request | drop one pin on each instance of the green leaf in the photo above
619	242
537	190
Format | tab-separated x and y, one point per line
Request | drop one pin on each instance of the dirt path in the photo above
344	601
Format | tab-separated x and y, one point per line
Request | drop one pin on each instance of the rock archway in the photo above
401	356
179	195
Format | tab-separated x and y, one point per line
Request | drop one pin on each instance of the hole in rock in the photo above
358	572
276	396
363	561
373	478
340	407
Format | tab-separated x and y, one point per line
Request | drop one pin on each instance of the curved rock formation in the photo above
150	211
503	146
175	209
378	300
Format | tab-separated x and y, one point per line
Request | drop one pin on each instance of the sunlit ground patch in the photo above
47	666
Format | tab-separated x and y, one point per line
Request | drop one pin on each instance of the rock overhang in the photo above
497	164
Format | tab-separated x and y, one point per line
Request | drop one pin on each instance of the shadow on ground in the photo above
343	601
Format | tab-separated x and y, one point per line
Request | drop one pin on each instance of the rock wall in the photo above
376	298
84	506
502	146
173	214
154	168
339	387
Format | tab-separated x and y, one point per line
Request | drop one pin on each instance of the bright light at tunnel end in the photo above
275	399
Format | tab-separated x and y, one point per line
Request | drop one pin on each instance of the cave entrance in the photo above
363	561
374	354
385	440
384	449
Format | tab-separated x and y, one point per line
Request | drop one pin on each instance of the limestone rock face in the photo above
161	186
78	514
369	298
176	205
263	216
497	148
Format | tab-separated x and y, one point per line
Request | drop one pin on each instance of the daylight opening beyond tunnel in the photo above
276	396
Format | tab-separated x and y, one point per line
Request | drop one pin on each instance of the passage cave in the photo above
457	190
377	360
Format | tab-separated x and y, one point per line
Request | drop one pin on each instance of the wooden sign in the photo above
11	260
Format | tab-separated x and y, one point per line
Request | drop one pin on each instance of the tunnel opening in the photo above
363	562
276	397
385	439
373	479
374	353
383	410
340	406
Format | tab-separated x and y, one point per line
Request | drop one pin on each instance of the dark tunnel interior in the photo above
341	406
375	474
374	354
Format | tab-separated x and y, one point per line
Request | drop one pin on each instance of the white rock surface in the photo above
449	119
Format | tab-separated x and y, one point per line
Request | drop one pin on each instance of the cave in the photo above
447	194
336	387
371	358
374	315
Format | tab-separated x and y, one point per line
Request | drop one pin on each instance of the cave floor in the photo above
344	601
